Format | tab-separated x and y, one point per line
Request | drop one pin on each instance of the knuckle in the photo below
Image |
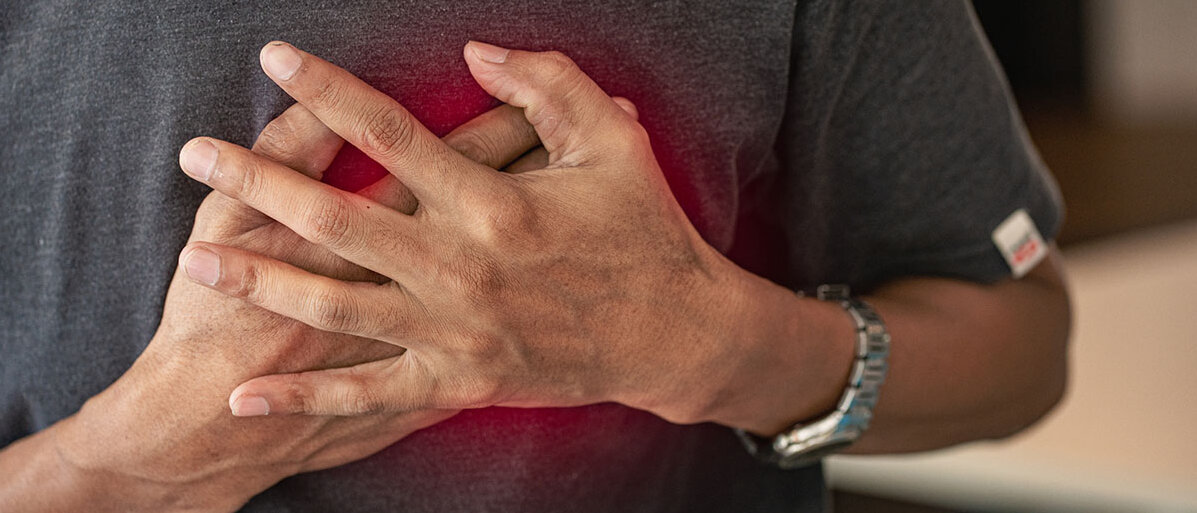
475	391
486	392
510	219
218	218
561	74
250	285
555	63
549	108
387	131
333	311
247	177
277	140
328	95
297	395
474	146
627	106
329	224
636	137
365	401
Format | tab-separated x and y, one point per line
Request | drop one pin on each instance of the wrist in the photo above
792	359
42	474
93	484
104	453
109	484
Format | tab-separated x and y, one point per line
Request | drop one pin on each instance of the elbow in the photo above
1052	398
1041	386
1033	406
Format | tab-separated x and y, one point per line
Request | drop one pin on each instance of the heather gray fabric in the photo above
824	141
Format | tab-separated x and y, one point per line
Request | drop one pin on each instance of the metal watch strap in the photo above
807	442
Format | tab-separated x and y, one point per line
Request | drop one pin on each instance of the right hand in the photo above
162	435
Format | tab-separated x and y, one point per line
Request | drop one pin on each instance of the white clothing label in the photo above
1020	242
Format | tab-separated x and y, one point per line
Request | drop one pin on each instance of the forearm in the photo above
979	361
39	478
57	469
34	480
967	361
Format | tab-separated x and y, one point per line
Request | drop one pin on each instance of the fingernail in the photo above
250	406
489	53
199	158
203	266
280	60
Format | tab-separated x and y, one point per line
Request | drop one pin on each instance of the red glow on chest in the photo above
457	99
440	110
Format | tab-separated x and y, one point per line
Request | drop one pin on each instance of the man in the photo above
811	144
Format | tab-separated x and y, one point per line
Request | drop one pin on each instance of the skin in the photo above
581	278
161	437
584	282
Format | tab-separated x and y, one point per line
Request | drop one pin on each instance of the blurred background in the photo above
1108	89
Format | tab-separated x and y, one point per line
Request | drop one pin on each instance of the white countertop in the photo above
1125	437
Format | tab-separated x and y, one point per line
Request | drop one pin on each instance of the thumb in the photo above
573	117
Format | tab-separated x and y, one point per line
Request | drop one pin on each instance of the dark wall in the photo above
1041	44
1115	177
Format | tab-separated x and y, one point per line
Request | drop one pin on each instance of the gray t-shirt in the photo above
812	142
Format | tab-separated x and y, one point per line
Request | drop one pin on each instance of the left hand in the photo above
578	283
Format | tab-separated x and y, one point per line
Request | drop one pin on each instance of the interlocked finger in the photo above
376	124
357	308
355	228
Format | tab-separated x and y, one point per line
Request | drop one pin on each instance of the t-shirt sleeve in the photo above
901	149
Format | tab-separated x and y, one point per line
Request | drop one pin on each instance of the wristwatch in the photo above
808	442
